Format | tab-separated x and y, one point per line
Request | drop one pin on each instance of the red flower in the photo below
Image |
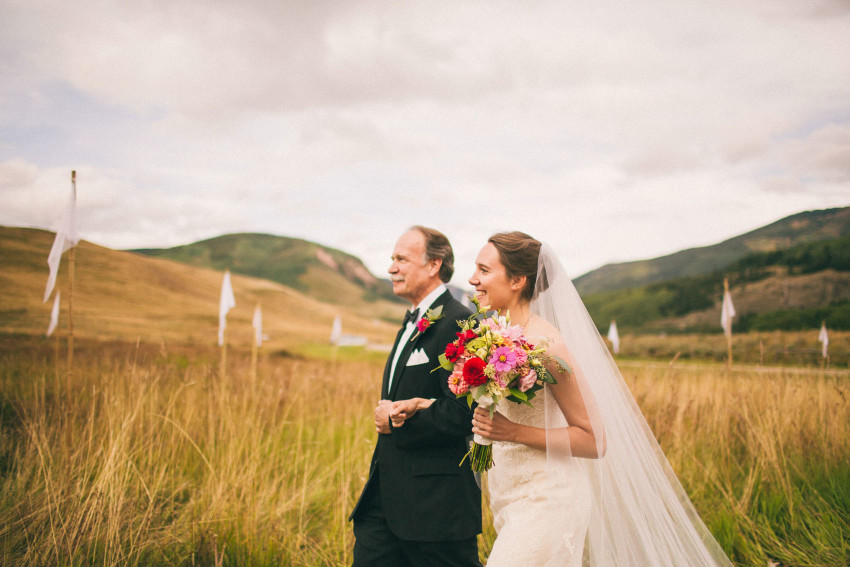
465	337
473	372
453	352
422	324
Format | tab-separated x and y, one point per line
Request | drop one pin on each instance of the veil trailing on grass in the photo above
640	515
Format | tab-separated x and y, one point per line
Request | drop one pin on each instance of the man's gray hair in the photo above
438	247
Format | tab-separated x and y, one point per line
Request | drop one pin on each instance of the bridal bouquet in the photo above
492	360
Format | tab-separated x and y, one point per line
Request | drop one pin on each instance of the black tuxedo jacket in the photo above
425	494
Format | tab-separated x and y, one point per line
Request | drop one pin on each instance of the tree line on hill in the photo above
639	307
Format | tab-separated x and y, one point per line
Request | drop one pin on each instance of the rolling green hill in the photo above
806	227
324	273
791	289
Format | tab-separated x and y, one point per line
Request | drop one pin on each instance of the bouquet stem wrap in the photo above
481	452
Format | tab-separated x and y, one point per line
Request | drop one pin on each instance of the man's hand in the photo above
405	409
382	416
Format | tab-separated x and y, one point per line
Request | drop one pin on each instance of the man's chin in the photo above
399	289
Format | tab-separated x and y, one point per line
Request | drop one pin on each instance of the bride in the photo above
579	474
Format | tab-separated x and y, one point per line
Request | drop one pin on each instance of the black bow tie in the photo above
410	316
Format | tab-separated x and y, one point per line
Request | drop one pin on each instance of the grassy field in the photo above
153	458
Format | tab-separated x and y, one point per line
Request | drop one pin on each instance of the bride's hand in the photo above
405	409
499	428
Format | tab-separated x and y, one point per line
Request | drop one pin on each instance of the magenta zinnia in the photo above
503	359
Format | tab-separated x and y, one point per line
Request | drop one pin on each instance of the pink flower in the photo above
503	359
521	356
422	324
497	324
527	381
512	333
457	384
501	379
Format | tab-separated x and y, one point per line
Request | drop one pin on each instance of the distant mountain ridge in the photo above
325	273
809	226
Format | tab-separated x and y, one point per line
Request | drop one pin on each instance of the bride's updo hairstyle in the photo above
518	253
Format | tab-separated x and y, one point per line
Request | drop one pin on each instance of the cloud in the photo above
615	131
823	154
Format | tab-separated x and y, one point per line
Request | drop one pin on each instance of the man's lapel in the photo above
402	360
389	364
411	344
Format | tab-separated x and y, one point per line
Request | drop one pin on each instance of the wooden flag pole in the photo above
255	348
222	371
729	334
254	354
56	362
71	260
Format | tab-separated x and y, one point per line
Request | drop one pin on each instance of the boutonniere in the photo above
431	316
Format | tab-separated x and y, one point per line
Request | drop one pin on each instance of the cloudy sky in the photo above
613	130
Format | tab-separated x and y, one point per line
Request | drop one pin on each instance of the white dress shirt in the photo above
423	306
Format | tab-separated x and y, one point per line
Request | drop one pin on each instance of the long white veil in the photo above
641	515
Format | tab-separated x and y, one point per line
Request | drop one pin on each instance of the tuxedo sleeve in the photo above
446	420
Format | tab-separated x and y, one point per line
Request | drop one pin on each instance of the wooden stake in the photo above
222	371
729	334
71	260
57	382
255	349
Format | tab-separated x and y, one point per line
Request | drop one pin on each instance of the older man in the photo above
419	507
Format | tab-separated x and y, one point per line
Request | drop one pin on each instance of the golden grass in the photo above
153	459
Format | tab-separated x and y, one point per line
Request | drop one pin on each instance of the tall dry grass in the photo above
763	453
154	459
160	461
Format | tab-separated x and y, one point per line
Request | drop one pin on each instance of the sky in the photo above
614	131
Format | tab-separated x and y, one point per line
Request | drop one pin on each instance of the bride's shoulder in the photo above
539	330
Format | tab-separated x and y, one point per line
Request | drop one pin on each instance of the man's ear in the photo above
434	267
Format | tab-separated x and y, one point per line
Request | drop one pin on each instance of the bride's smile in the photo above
492	285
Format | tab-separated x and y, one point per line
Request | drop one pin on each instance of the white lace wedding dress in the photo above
537	524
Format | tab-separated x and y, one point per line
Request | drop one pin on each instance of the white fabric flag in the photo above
336	331
258	325
727	312
54	316
66	238
227	303
614	337
823	337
